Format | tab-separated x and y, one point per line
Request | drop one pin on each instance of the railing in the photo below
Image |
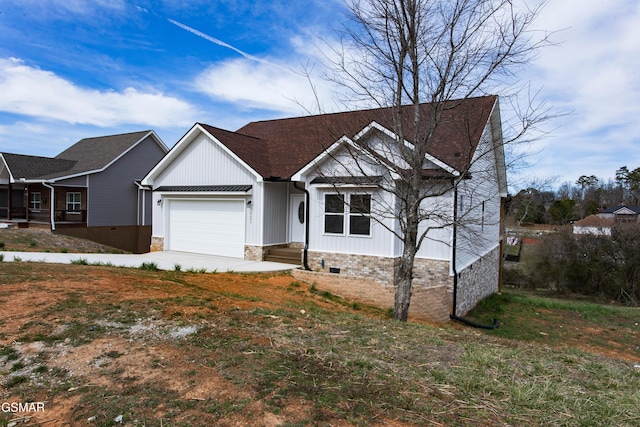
71	216
18	213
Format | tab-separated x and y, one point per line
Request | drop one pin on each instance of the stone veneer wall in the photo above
379	269
431	304
157	244
478	281
257	253
428	273
372	276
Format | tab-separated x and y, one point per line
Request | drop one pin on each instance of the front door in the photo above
297	217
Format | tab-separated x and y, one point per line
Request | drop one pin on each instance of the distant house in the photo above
282	184
90	190
621	214
601	223
594	225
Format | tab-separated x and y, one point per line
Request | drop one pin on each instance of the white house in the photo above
294	183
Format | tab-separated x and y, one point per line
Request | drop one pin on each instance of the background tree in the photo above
589	202
562	211
398	53
630	183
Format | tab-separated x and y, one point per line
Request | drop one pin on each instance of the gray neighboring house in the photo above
90	190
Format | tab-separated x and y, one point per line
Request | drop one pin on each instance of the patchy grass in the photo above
37	240
175	348
614	330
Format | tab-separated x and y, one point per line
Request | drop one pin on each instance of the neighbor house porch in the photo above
42	206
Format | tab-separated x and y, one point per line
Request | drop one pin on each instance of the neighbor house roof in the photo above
30	167
595	221
87	155
615	209
279	148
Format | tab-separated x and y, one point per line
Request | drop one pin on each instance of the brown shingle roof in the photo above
279	148
595	221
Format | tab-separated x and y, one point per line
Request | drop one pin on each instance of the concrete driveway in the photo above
165	260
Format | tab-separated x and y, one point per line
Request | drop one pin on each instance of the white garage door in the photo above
214	227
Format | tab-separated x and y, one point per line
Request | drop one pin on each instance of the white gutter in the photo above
52	208
143	188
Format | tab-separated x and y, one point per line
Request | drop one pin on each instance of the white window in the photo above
333	214
36	200
355	216
360	214
74	202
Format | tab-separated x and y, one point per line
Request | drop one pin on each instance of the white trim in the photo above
375	125
624	211
326	153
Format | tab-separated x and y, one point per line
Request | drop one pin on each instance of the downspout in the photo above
453	315
52	207
305	255
140	219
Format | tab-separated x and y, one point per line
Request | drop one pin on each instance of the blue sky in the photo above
71	69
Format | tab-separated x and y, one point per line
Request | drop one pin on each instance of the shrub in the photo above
606	266
149	266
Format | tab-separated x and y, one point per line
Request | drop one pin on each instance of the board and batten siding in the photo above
437	244
112	198
380	242
276	212
479	205
204	162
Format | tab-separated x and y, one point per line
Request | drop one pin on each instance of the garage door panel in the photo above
213	227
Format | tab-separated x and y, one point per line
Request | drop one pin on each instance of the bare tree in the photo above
405	54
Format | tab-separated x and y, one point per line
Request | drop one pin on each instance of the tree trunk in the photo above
405	270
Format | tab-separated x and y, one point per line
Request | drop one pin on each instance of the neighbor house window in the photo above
333	214
36	200
360	214
73	202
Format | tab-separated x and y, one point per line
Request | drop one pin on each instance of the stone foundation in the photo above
478	281
157	244
428	273
257	253
432	304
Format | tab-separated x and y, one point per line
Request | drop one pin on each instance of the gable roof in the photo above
277	149
624	209
29	167
595	221
86	156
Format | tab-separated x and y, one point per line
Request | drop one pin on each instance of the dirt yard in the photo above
98	335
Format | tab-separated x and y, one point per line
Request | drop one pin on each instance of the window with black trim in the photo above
36	200
74	202
333	214
360	214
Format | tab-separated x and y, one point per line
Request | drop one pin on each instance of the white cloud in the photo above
37	93
593	72
263	85
69	9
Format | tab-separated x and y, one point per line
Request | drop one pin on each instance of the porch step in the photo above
285	255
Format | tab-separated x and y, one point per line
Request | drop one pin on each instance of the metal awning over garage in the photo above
204	189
